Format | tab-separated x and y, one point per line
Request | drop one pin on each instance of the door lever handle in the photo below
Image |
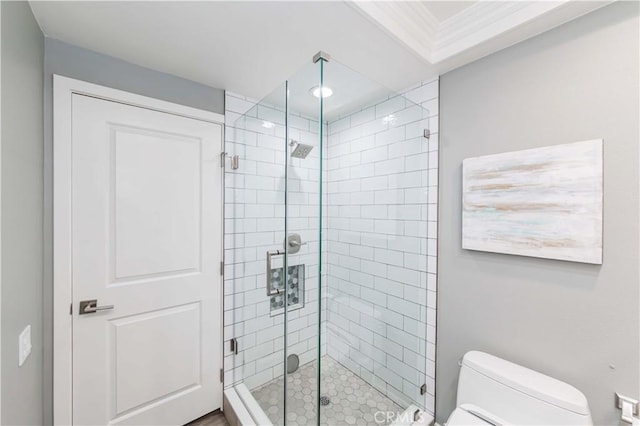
91	306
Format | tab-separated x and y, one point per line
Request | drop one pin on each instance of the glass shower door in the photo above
255	253
273	251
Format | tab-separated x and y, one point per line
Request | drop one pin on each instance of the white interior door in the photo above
146	238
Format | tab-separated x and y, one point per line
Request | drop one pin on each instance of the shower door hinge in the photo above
222	267
233	345
221	375
235	160
423	389
71	309
427	133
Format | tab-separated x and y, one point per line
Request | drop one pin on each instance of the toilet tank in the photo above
518	395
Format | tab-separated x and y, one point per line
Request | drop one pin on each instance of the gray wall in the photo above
22	67
82	64
568	320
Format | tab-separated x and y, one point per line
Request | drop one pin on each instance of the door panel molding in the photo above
63	90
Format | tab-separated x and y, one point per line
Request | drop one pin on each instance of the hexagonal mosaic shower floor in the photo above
352	400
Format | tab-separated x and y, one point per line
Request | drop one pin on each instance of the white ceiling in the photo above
252	47
246	47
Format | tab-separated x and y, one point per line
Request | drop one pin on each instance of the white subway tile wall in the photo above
379	241
382	239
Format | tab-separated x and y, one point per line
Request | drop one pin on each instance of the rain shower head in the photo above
301	150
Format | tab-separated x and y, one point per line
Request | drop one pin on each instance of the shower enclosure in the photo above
330	252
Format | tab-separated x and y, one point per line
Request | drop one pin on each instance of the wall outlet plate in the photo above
24	345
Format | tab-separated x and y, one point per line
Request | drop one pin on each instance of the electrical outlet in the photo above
24	345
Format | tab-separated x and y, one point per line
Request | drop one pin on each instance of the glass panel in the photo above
303	224
376	241
254	233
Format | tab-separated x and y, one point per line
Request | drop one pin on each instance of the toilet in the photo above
492	391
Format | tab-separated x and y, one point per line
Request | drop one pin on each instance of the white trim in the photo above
240	411
482	21
63	89
410	23
503	23
250	403
0	216
474	32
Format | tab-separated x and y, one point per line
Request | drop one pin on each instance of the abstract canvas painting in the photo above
542	202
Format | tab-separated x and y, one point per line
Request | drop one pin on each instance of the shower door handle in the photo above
270	290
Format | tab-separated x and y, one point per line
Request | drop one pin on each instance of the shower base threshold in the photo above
241	408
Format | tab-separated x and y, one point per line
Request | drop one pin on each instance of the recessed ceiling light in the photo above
326	91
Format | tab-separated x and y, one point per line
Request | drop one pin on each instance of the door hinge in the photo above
423	389
233	159
221	375
233	345
222	267
71	308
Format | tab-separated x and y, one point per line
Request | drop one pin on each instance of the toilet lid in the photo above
463	417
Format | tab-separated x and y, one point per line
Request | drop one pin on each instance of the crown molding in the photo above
481	29
409	22
485	21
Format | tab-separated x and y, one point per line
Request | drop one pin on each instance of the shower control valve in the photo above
294	242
